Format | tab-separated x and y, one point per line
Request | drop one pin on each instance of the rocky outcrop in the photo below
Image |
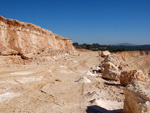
24	38
133	53
104	53
137	97
111	75
136	59
110	71
110	68
132	75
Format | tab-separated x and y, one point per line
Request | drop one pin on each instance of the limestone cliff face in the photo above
130	54
136	59
19	37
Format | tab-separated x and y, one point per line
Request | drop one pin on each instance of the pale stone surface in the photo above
109	65
21	73
111	75
137	97
84	80
107	104
109	69
91	74
127	77
105	53
25	38
7	95
28	79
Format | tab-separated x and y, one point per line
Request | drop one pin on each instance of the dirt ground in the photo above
52	87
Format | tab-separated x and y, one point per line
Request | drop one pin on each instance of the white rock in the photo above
8	95
83	80
107	104
105	53
90	73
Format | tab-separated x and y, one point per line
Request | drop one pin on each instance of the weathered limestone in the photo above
137	97
109	68
127	77
109	65
19	37
83	80
105	53
111	74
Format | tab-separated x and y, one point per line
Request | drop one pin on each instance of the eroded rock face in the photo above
138	60
110	65
137	97
132	75
109	68
110	71
111	75
19	37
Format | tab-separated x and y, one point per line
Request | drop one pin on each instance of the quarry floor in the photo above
51	87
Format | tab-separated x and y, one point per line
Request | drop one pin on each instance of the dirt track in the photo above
51	87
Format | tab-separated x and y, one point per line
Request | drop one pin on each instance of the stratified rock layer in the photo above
19	37
137	97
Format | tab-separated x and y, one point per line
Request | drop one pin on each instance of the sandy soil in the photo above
52	87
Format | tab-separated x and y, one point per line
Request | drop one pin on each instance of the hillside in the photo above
19	37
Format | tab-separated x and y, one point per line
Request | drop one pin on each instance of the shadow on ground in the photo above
97	109
112	84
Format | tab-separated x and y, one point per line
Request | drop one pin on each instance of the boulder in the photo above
110	71
137	75
111	74
107	105
137	97
109	65
105	53
113	59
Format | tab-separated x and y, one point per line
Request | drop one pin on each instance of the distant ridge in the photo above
125	44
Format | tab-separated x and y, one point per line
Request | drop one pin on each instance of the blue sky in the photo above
86	21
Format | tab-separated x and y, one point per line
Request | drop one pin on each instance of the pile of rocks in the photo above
109	67
137	90
113	67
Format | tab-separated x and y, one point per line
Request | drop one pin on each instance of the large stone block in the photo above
128	76
137	97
